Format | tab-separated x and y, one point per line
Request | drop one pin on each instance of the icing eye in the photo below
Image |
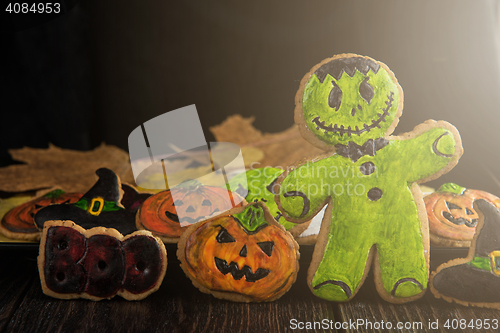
266	247
452	206
335	97
178	203
366	91
224	236
206	202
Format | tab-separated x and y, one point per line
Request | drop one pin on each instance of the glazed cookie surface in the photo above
258	185
19	222
245	256
169	213
349	105
452	218
99	263
101	206
474	280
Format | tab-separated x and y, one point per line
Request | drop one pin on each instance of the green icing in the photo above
256	181
315	103
452	187
109	206
483	263
252	218
54	194
373	205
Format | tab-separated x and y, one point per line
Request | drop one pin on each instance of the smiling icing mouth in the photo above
375	123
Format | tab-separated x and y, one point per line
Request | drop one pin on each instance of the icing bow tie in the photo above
354	151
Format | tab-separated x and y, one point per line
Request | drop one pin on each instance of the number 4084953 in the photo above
473	324
40	8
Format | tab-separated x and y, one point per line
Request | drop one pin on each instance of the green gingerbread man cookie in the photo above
349	105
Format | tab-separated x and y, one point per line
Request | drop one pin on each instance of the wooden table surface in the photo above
179	307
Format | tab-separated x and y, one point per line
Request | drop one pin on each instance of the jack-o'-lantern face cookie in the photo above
245	256
452	218
167	214
351	100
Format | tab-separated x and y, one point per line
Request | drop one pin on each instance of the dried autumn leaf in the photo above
69	170
279	149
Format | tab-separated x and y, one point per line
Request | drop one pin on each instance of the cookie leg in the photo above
340	272
402	266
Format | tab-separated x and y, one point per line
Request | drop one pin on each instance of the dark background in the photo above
103	68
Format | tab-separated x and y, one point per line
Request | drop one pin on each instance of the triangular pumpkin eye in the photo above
366	90
335	97
469	212
224	236
266	247
178	203
452	205
206	202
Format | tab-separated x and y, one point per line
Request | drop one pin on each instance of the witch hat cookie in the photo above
474	280
99	207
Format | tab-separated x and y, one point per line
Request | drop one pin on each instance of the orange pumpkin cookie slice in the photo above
167	214
452	218
19	222
245	256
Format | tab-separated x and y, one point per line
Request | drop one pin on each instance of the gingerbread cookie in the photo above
19	222
349	105
245	256
258	185
99	263
167	214
452	219
474	280
99	207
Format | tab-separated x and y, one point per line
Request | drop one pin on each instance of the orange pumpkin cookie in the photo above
452	218
19	222
245	256
167	214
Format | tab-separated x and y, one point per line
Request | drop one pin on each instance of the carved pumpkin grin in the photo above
460	220
366	128
246	253
237	273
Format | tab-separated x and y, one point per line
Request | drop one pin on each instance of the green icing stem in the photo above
252	218
452	188
256	181
54	194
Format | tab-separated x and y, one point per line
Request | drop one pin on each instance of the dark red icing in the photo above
143	263
105	266
64	247
100	265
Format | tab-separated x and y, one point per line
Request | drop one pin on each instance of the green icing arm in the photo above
425	154
304	190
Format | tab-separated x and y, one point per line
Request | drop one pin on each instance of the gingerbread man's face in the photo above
351	98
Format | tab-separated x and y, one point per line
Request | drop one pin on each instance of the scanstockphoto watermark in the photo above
327	180
356	324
